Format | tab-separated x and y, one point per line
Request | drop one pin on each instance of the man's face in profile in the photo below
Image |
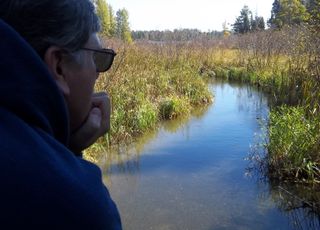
81	77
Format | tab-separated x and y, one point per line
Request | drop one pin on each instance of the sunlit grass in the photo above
152	82
294	145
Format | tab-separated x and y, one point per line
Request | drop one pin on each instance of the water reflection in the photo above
172	126
190	173
300	203
126	158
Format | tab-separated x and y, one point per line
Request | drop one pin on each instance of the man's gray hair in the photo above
43	23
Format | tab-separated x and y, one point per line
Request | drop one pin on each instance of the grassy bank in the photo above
150	82
285	64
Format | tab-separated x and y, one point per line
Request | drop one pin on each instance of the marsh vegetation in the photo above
153	81
166	75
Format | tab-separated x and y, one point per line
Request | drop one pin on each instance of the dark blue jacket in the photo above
43	185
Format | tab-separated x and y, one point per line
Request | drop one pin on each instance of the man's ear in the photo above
53	58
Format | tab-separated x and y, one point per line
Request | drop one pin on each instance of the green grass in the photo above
294	145
172	107
293	131
153	82
285	65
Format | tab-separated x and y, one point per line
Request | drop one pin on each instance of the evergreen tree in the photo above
242	24
254	23
275	11
122	25
261	23
104	16
245	12
238	26
257	23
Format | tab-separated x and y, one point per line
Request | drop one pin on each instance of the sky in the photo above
205	15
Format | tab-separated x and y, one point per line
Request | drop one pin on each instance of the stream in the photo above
192	173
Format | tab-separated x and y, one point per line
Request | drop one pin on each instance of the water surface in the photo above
191	173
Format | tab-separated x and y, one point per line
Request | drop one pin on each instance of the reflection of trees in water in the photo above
300	203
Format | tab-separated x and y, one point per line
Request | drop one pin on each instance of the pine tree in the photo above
254	23
246	21
242	24
275	11
261	23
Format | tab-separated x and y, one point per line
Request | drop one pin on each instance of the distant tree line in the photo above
284	12
175	35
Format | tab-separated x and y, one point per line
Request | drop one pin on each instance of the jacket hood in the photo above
27	89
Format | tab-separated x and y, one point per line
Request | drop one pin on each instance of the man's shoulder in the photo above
42	179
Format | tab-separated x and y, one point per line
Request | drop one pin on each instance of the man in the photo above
50	58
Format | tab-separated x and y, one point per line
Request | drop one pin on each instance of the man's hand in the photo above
95	126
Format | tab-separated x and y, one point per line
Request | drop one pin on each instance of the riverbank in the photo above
196	169
290	76
292	149
150	82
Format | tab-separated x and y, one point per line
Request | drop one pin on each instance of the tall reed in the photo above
151	82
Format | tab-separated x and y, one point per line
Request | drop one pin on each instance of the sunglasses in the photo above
103	58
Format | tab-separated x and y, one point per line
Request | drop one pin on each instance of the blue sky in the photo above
200	14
